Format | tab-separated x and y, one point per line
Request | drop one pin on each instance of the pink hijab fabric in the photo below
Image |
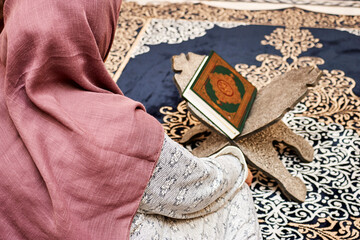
75	153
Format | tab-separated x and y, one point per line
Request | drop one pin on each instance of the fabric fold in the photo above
76	154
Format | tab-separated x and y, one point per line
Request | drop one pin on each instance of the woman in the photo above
76	155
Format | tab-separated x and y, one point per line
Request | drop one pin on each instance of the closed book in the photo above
221	94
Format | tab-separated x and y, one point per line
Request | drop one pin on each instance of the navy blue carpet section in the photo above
341	50
148	77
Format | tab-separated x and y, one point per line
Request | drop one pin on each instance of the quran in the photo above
221	94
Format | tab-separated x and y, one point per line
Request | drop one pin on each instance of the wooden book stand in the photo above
263	126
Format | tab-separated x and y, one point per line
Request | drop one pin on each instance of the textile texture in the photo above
261	45
339	3
196	198
75	153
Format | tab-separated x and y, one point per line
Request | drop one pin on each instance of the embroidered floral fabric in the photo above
196	198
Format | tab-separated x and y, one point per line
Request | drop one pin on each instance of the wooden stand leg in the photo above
260	152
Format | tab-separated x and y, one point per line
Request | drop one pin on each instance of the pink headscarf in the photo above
75	153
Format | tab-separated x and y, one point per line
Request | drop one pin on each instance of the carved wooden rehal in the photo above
263	125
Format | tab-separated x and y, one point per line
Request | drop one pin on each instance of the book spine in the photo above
196	74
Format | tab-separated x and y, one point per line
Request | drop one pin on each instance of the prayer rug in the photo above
337	3
261	45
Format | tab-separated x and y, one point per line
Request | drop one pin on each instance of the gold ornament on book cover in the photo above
225	88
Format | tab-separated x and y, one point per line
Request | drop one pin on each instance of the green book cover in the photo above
218	87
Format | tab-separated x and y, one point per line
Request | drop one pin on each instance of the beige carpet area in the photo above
344	7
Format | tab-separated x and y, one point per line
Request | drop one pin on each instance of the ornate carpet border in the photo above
133	18
342	3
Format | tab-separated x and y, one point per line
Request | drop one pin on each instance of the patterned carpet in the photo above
338	3
343	7
262	45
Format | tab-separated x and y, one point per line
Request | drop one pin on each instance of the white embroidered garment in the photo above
196	198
